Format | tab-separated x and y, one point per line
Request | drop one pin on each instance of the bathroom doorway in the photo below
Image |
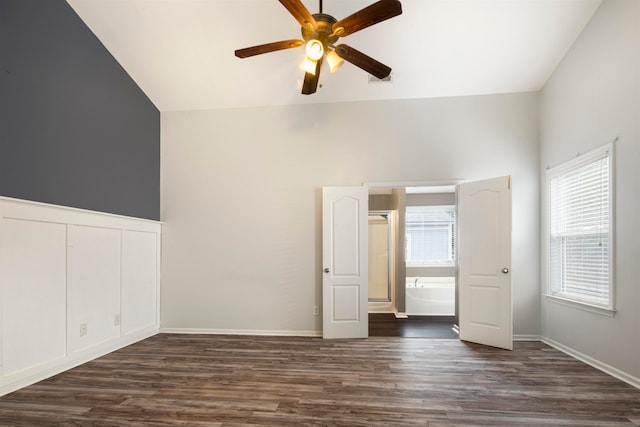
482	288
421	260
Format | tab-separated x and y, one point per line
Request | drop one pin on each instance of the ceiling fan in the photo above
320	32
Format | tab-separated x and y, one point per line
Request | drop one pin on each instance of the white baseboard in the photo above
34	375
380	310
380	307
288	333
607	369
526	337
240	332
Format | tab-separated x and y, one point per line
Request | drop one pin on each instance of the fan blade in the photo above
269	47
310	83
370	15
363	61
301	13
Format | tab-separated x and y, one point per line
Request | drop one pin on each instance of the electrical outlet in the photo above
83	329
116	320
316	310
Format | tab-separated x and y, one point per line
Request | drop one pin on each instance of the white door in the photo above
484	262
344	261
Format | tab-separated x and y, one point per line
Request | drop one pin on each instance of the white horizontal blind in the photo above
580	228
430	235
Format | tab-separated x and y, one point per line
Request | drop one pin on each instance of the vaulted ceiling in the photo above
181	52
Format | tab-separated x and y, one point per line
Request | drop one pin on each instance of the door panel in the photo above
344	256
484	258
346	303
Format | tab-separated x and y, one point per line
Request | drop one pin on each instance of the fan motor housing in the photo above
324	31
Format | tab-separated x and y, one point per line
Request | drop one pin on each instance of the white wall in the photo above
593	97
74	285
241	197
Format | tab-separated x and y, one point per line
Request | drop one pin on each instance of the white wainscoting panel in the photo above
33	293
93	269
139	280
74	285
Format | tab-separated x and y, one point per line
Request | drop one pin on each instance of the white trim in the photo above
72	209
607	369
39	373
526	337
402	184
42	212
581	158
607	150
400	315
601	310
380	307
261	332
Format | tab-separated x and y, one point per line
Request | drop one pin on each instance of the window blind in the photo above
430	235
580	229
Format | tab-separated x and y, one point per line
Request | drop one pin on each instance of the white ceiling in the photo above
181	52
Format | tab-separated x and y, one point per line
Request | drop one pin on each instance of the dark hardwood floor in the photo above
210	380
387	325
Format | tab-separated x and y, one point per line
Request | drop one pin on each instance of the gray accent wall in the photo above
75	129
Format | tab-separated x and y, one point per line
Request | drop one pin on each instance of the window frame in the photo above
452	237
607	152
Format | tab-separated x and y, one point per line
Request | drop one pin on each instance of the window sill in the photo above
603	311
413	265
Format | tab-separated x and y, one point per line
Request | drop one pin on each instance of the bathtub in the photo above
430	296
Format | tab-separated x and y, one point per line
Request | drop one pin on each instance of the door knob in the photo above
505	270
326	270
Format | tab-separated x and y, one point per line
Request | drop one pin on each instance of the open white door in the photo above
484	259
344	258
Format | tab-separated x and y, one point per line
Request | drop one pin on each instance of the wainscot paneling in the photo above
33	293
74	285
139	281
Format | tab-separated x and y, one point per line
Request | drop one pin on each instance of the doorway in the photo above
420	258
483	281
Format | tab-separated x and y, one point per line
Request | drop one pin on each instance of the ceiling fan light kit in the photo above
320	32
310	66
334	61
315	49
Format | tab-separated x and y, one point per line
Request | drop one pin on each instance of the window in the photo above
580	228
430	236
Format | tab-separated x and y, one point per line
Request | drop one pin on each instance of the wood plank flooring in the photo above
212	380
387	325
